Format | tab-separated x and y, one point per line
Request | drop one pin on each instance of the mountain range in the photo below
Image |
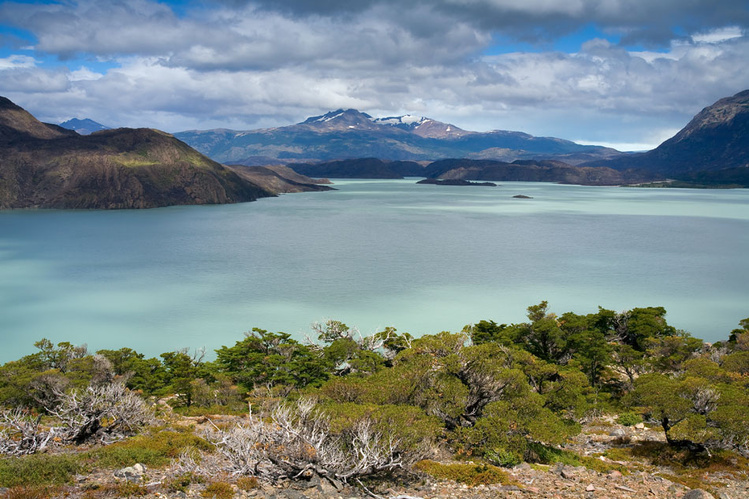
48	166
712	150
350	134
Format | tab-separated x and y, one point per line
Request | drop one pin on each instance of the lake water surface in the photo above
374	253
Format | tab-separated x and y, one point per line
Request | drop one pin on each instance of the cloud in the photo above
242	64
17	61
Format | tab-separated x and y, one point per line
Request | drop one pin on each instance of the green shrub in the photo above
247	483
469	474
39	470
503	458
181	483
157	448
408	424
127	488
629	419
218	490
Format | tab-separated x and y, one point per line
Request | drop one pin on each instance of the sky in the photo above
623	73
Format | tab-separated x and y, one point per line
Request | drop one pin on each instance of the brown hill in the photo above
45	166
712	148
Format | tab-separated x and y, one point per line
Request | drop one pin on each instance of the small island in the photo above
453	181
522	196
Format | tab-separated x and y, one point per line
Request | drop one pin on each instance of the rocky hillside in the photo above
712	148
531	171
350	134
46	166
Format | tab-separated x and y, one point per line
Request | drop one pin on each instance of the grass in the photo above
469	474
32	492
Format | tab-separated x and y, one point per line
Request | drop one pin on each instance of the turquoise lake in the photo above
372	254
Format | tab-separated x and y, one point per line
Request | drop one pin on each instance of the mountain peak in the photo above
17	123
722	113
423	127
83	127
340	120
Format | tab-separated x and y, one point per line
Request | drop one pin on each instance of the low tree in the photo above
263	358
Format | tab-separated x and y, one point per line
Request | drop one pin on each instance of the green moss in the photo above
469	474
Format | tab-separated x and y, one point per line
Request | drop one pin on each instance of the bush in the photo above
247	483
503	458
469	474
127	488
181	483
414	430
299	437
156	449
629	419
39	470
218	490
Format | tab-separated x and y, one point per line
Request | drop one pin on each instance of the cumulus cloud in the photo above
248	64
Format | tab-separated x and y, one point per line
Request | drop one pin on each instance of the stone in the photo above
590	488
640	426
132	473
618	432
698	494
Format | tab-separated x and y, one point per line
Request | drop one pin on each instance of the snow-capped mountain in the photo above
423	127
348	133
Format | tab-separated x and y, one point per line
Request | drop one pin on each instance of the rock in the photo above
590	488
640	426
131	473
618	433
614	474
330	486
698	494
522	196
568	472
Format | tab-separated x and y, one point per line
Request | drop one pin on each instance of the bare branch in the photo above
21	434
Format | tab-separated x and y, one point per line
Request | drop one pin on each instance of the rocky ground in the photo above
637	479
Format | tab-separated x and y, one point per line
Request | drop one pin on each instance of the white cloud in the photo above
274	63
718	35
17	61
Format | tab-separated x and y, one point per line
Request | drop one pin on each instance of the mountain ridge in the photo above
350	134
713	148
47	166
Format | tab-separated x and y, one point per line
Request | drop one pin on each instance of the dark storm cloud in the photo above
640	21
